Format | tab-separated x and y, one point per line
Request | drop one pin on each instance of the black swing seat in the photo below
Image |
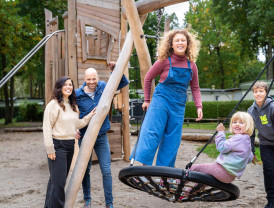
178	185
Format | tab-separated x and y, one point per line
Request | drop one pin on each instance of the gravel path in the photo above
24	175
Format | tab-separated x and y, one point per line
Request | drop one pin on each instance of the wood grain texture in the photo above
96	123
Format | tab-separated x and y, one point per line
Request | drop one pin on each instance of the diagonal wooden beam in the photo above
146	6
138	38
97	120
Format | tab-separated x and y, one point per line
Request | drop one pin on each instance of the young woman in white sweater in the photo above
61	120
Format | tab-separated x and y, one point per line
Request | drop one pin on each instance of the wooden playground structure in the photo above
95	34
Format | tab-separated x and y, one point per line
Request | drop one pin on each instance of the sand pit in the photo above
24	175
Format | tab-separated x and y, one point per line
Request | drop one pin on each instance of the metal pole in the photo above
27	57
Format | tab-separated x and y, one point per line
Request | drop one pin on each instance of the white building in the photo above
228	94
211	94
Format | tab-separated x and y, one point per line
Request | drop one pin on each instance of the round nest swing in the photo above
177	185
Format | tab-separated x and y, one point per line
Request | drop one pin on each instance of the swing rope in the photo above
159	15
135	146
230	114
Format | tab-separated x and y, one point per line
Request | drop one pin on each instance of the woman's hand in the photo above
78	134
200	114
220	127
145	106
93	112
52	156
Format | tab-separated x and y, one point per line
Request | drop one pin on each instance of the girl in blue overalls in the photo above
162	126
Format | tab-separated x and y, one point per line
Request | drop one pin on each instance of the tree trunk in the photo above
6	91
7	103
221	68
270	71
30	87
11	109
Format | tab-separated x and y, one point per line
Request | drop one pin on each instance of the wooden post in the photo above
96	123
65	17
55	46
125	99
167	25
146	6
72	59
48	59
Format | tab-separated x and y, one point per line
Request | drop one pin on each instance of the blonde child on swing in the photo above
235	153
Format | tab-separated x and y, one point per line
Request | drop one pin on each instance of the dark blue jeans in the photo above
102	151
59	169
267	155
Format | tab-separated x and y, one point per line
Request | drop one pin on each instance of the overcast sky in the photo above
179	9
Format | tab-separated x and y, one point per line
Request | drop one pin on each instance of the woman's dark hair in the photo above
58	95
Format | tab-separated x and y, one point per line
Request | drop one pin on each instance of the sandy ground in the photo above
24	175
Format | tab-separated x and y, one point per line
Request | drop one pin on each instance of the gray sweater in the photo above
264	122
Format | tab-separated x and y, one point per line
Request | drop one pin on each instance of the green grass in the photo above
208	126
13	124
212	152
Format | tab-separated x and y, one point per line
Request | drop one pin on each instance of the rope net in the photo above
178	185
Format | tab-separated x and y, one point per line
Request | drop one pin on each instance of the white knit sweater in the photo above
60	124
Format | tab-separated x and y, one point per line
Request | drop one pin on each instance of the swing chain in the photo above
159	14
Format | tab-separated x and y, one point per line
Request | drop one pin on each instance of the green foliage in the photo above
133	94
35	8
199	125
250	71
251	20
216	109
16	33
3	109
30	112
219	60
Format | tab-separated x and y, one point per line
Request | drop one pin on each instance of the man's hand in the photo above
78	134
111	65
52	156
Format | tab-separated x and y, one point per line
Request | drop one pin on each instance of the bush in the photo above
216	109
3	111
30	112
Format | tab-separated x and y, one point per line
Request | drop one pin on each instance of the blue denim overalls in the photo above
163	123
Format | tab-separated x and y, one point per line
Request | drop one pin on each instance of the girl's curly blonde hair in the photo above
165	48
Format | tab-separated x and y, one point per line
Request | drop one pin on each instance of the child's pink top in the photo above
162	68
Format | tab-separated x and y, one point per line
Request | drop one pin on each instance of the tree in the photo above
16	32
219	60
35	67
253	21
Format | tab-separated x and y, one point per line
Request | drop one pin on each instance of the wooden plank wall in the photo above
115	142
106	12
